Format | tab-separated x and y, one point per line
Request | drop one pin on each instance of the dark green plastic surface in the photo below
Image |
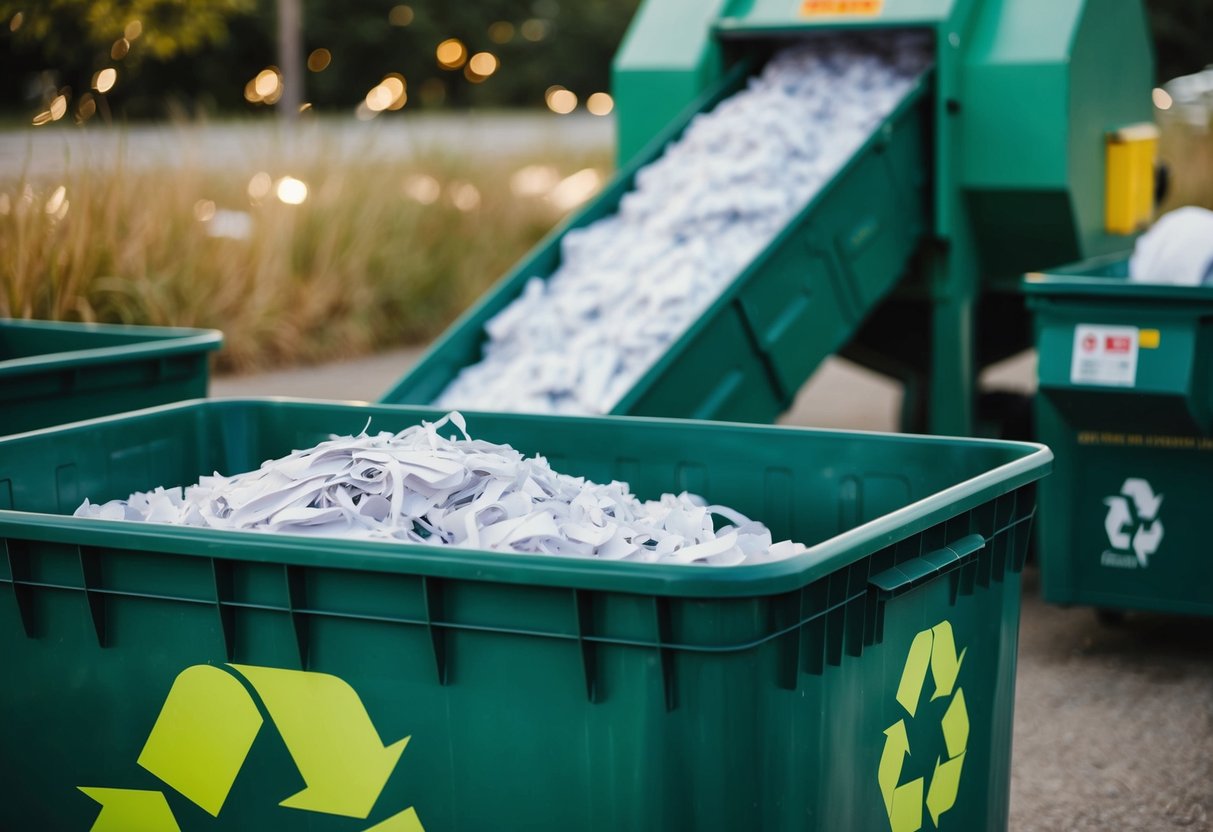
1160	430
795	304
539	693
52	372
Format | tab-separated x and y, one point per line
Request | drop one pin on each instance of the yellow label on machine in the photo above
1129	189
841	8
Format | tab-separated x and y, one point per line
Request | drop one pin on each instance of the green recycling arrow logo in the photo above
934	650
206	729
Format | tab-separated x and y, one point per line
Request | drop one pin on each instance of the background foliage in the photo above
216	46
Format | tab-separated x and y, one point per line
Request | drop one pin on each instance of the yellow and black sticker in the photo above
1139	440
841	8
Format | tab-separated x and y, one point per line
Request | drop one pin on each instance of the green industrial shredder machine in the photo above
909	260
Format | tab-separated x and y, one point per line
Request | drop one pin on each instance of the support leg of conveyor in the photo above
951	394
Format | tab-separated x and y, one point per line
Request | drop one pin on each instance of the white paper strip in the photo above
631	283
418	486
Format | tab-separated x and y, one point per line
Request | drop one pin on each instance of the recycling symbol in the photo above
207	726
1136	508
934	650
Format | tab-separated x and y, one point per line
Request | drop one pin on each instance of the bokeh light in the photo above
422	188
388	94
267	83
451	53
395	84
57	204
483	64
132	30
501	32
378	99
535	29
319	59
120	48
259	186
58	107
86	108
104	80
560	100
15	22
291	191
534	180
600	103
400	15
204	210
1162	98
465	196
575	189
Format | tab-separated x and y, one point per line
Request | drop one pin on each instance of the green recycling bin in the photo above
1126	404
163	677
53	372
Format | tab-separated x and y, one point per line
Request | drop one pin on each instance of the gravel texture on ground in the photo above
1113	723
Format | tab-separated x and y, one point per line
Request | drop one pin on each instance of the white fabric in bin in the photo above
1177	249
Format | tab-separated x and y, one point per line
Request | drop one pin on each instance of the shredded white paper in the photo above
417	486
631	283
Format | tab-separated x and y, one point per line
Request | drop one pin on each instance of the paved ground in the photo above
1113	725
43	151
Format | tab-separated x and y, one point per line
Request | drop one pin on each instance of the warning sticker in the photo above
822	8
1105	355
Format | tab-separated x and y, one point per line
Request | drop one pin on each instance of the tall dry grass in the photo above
363	263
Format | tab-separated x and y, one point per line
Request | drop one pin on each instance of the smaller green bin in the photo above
1126	404
207	679
53	372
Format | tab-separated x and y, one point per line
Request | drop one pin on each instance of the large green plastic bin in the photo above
796	303
53	372
1126	403
154	666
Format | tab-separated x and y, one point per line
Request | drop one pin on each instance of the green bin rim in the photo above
821	559
1090	279
156	342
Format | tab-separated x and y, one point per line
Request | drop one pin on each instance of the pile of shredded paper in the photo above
418	486
630	284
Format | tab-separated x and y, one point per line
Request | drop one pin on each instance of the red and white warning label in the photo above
1105	355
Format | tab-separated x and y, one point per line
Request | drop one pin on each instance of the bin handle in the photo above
917	571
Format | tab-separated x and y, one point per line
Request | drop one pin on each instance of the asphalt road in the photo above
1113	724
57	148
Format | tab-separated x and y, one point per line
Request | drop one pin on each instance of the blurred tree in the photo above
165	28
1183	35
535	44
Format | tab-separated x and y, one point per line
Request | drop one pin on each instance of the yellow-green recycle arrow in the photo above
208	724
